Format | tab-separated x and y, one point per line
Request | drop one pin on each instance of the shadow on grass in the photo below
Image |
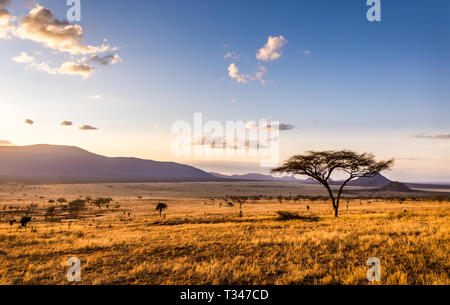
286	215
212	220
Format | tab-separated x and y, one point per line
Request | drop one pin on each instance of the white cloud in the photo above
41	26
272	49
23	58
67	68
73	68
233	72
6	27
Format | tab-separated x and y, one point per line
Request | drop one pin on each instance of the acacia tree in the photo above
99	202
320	165
76	206
160	207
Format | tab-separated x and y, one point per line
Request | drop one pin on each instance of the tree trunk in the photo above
333	200
338	198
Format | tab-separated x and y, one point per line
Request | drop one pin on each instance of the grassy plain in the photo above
200	242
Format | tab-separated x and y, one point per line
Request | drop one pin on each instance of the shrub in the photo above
76	206
31	208
50	213
439	198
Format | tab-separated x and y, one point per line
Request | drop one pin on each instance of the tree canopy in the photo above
160	207
320	165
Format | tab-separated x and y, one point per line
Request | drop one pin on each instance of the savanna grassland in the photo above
197	240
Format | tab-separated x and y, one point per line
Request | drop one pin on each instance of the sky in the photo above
116	81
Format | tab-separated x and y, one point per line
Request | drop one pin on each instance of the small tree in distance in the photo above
76	206
50	213
320	165
160	207
99	202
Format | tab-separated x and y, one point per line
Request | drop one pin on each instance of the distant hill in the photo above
310	181
69	164
428	185
375	181
396	187
256	177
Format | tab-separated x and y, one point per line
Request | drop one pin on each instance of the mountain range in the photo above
69	164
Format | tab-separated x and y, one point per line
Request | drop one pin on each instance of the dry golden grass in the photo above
191	247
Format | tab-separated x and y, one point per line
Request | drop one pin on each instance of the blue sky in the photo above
342	81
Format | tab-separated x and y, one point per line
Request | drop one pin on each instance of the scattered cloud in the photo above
29	122
285	127
436	136
259	75
5	143
107	60
233	72
73	68
281	126
23	58
6	19
67	68
97	97
232	55
87	127
410	159
41	26
272	49
65	123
